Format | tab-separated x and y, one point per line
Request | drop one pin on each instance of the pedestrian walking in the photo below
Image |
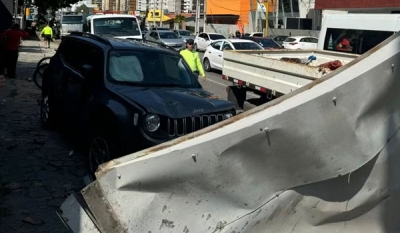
10	39
47	34
33	27
192	59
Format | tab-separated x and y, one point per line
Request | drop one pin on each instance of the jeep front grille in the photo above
183	126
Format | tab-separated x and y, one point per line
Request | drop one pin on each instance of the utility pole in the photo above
154	13
266	17
161	13
197	26
205	15
15	11
277	14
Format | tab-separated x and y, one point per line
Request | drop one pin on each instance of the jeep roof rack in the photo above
153	44
92	36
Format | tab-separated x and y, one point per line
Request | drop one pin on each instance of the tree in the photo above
179	18
53	4
82	9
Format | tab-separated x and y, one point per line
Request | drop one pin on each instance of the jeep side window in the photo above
93	56
68	53
88	54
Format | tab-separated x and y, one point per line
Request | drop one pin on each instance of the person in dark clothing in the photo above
11	39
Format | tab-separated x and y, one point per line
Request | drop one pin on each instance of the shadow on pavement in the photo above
38	168
27	50
32	35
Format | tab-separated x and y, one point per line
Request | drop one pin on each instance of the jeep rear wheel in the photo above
45	111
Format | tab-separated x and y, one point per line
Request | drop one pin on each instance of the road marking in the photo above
248	93
216	82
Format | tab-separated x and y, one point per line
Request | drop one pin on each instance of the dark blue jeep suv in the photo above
124	95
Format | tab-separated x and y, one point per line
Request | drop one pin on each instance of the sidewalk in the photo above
30	53
38	168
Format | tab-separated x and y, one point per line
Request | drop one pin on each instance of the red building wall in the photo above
342	4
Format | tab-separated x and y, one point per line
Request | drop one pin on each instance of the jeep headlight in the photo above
152	122
228	115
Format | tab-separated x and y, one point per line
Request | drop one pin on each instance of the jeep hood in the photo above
174	102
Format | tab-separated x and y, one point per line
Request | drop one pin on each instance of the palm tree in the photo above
179	18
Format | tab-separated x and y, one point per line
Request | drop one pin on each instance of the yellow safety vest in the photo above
47	31
193	60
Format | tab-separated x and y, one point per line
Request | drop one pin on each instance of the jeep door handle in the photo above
209	52
219	55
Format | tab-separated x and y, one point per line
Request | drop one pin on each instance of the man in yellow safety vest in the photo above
47	33
192	59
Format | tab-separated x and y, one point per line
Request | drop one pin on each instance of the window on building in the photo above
288	5
353	41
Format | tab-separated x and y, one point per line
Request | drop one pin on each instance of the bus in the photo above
362	31
115	25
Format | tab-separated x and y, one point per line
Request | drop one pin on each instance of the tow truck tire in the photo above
237	96
255	102
248	104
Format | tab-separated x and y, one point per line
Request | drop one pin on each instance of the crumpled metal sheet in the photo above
324	158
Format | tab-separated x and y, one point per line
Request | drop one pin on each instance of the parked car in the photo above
301	42
185	34
203	40
165	37
254	34
124	95
160	29
213	57
279	39
265	42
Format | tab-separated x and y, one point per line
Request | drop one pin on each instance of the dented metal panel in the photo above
323	158
265	69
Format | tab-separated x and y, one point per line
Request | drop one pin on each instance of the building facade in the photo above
225	11
360	6
187	6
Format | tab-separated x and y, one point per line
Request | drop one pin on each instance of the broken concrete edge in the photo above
74	212
98	204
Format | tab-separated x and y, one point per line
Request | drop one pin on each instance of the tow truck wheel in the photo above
237	96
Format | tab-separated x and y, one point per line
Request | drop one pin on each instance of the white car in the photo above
203	40
300	42
254	34
213	56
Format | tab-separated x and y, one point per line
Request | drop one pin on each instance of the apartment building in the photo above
187	6
141	5
119	5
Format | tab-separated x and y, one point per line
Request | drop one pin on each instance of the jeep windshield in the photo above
150	69
116	26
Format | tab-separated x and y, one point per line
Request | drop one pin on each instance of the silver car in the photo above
185	34
165	37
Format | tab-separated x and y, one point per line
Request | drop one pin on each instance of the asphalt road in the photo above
216	85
